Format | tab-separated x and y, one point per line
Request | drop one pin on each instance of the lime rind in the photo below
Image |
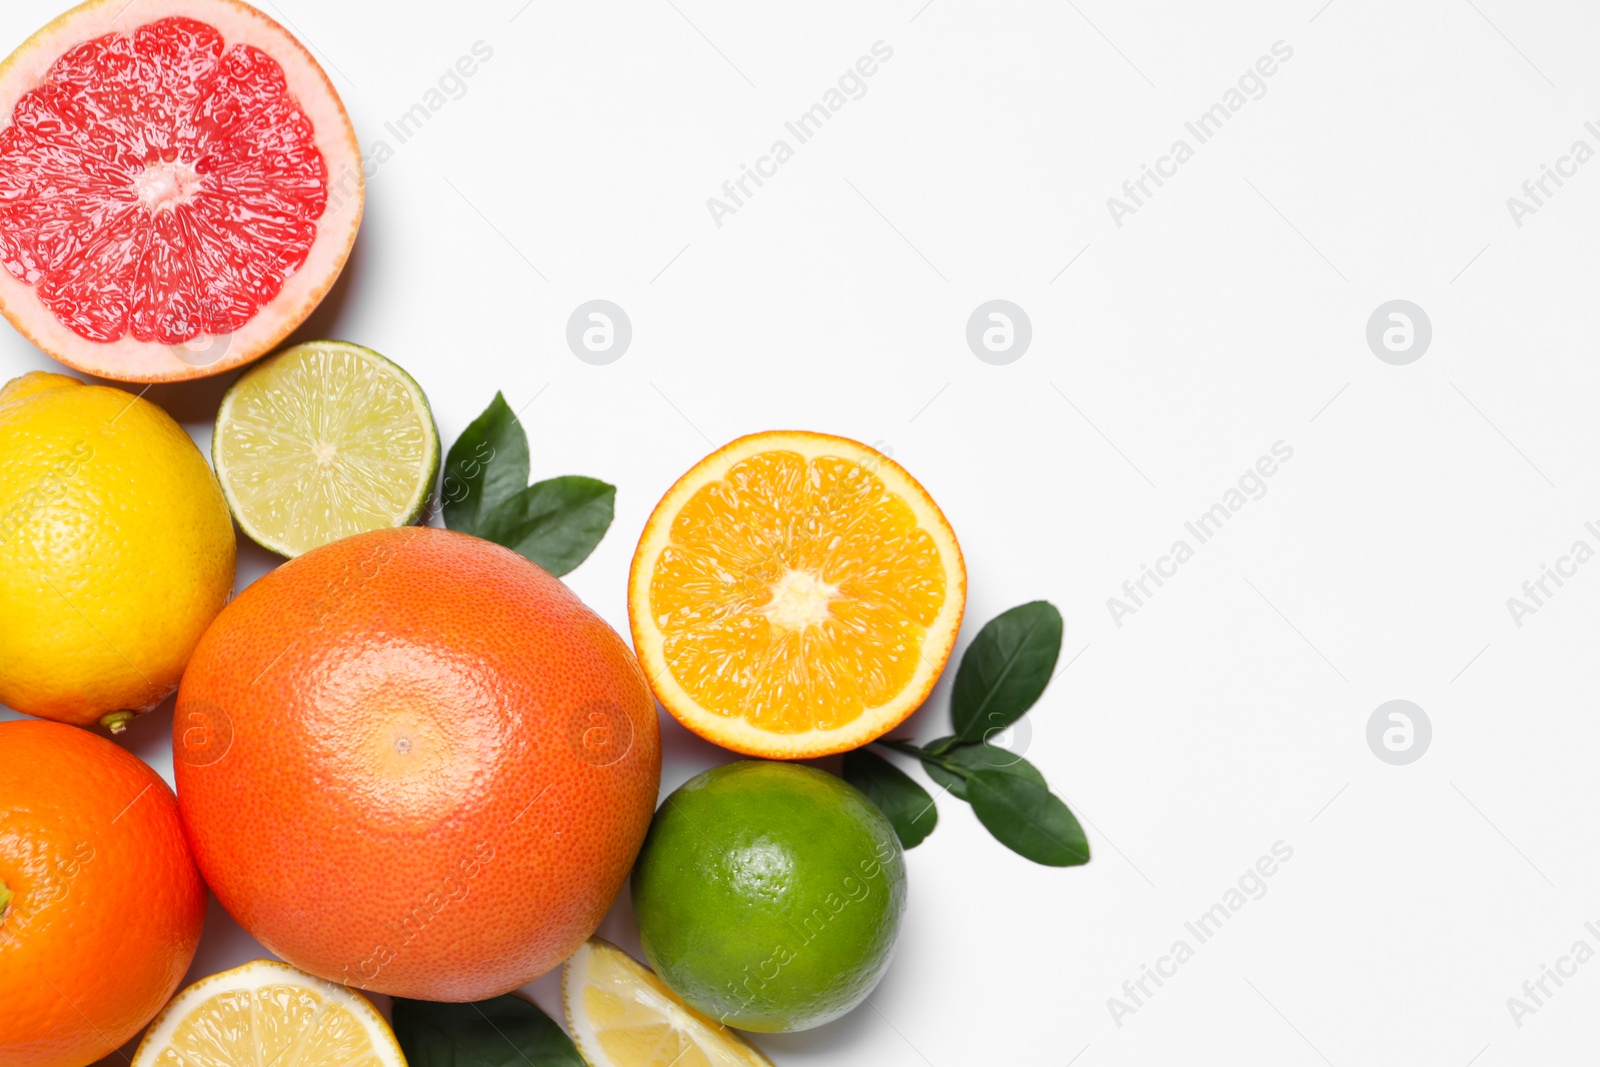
322	441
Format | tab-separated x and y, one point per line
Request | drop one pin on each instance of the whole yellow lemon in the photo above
116	551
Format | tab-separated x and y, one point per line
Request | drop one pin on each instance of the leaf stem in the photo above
924	755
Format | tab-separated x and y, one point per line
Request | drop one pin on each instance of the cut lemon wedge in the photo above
622	1015
267	1012
795	595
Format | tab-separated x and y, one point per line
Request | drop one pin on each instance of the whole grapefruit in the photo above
100	903
414	762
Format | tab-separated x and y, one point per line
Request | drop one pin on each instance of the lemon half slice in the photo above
622	1015
268	1012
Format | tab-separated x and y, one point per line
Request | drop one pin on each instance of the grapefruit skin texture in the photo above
107	905
129	359
413	762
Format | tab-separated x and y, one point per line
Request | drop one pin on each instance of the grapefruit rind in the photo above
253	977
408	503
478	854
731	731
131	360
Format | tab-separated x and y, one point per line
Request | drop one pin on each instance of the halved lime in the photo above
324	440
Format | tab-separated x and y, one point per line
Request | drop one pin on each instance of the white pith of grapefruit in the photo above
249	280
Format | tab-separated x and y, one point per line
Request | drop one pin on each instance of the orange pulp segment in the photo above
795	595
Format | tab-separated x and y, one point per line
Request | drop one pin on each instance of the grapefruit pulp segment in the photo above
179	187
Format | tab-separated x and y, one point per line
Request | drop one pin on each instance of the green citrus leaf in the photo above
487	465
504	1032
978	757
556	522
1005	669
1027	818
909	807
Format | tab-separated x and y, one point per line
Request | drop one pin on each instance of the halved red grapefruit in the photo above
179	187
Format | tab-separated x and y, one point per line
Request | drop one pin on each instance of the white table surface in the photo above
1227	313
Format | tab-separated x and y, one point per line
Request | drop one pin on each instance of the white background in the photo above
1227	314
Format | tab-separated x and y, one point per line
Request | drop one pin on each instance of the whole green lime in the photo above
769	895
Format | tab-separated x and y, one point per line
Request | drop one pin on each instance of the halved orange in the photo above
795	595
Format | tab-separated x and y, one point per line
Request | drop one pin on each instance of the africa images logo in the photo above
851	85
1252	85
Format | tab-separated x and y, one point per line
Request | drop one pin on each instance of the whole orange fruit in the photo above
414	762
100	903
